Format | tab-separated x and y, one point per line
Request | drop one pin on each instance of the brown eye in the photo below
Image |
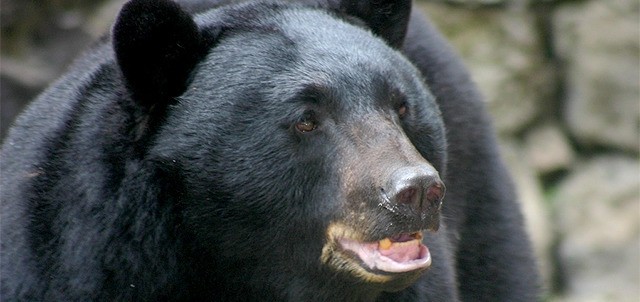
402	110
306	126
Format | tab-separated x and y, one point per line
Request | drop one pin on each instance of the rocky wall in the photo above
562	79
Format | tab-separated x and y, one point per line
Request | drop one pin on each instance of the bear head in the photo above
299	141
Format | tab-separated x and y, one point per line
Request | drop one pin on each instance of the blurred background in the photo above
560	77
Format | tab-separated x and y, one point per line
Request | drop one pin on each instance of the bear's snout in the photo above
418	187
388	181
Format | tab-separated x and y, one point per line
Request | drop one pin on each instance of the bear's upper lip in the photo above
396	254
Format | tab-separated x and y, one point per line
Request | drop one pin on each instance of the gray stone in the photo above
598	215
478	3
493	3
600	43
548	150
473	2
40	41
103	17
504	54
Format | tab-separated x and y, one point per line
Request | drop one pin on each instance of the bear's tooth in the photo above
408	243
384	244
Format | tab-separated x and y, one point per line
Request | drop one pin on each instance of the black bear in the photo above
262	151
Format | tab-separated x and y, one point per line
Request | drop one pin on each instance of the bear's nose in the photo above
418	186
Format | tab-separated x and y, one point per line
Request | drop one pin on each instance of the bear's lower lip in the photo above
398	254
395	261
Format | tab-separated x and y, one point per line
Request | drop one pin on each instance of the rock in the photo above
477	3
598	215
504	53
529	189
600	42
548	150
103	17
40	40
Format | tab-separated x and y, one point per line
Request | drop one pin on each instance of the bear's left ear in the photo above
157	45
387	18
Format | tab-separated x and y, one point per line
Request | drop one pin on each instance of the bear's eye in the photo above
402	110
306	123
305	126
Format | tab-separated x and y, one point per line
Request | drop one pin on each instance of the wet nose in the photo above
419	187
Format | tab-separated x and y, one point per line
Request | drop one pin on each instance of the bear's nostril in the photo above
407	196
435	193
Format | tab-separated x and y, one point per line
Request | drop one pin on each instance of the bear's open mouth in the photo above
382	260
397	254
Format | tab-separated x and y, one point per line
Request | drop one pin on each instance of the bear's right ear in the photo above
157	45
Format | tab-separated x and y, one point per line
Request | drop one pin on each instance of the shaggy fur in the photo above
166	165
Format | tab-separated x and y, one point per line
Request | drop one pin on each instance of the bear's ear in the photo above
157	45
387	18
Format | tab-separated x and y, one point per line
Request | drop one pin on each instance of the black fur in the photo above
387	19
157	45
166	164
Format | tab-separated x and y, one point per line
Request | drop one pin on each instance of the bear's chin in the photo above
393	263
